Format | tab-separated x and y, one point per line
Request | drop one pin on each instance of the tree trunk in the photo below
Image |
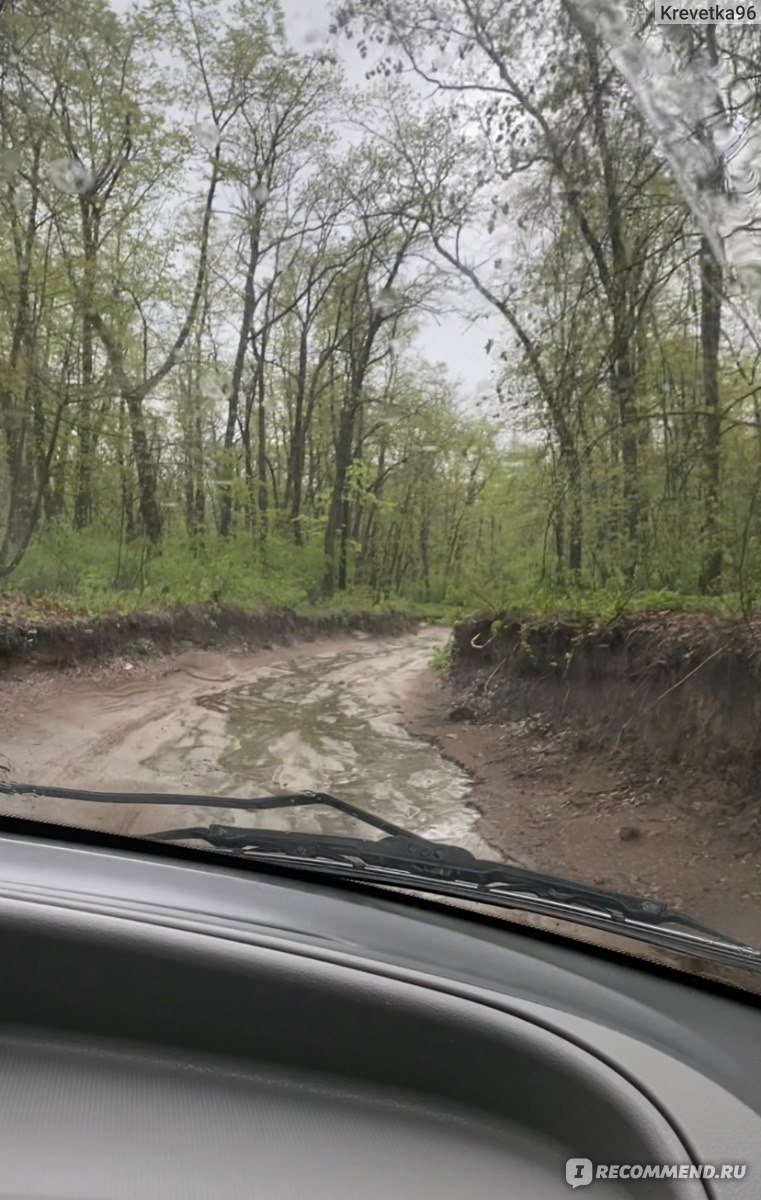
233	404
262	491
336	514
624	392
343	557
575	518
85	430
150	513
297	449
83	484
710	333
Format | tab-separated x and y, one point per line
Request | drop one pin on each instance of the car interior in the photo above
176	1022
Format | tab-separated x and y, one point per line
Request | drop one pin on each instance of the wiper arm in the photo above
305	799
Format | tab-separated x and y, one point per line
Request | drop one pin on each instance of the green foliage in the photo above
90	568
201	397
441	659
142	647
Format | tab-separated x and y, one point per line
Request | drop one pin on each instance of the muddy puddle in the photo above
322	716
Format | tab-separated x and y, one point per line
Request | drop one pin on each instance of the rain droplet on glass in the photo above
211	390
69	176
260	194
206	134
22	198
388	301
10	161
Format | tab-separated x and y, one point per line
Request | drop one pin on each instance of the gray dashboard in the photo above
177	1026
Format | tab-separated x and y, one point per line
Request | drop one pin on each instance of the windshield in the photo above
380	416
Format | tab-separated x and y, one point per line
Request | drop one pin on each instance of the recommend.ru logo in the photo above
582	1171
579	1171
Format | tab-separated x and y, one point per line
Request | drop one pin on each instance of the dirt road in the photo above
321	715
368	720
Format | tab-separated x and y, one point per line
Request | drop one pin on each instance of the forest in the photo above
218	250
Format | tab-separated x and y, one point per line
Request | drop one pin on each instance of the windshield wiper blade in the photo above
439	862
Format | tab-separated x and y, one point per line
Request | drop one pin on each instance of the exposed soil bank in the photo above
52	639
684	687
624	755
